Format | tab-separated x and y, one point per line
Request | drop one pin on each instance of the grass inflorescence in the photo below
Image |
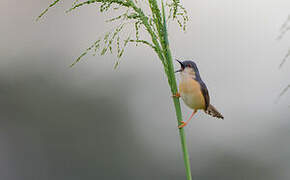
130	14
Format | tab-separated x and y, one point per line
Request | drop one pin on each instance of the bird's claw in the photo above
177	95
182	124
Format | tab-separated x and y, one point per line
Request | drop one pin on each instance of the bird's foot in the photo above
177	95
182	124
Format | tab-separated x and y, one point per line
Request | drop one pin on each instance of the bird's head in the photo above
188	67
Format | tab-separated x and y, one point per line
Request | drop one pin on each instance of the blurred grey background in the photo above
92	122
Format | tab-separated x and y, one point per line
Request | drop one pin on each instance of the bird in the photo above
193	91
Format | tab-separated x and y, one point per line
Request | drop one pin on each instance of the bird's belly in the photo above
191	94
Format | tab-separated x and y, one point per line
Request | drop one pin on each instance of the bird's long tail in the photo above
211	110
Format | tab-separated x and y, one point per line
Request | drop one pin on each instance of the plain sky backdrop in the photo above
93	122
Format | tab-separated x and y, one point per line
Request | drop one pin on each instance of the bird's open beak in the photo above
182	66
178	71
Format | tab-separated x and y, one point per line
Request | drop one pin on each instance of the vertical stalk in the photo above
173	87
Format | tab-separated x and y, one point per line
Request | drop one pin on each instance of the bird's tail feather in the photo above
211	110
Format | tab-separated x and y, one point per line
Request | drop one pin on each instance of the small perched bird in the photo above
193	91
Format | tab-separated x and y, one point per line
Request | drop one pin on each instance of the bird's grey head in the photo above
188	67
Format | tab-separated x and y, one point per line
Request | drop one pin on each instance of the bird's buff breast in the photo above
191	93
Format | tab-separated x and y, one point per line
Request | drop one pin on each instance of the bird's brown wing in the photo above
205	94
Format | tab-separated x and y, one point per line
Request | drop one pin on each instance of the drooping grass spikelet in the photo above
45	10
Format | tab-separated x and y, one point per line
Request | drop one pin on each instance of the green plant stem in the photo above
173	87
176	102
